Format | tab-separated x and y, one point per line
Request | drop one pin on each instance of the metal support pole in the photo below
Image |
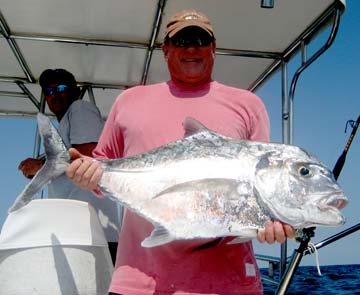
15	49
154	34
36	153
286	139
91	95
334	238
307	233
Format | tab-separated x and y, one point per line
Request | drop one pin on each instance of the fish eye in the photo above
304	171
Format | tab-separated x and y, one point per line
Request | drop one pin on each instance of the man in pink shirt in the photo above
146	117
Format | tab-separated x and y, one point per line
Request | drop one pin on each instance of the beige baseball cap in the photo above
188	18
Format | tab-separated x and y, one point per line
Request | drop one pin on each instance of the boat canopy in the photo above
113	45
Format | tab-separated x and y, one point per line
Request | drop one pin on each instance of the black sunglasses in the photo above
188	41
57	89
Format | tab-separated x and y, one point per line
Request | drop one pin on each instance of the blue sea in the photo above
335	279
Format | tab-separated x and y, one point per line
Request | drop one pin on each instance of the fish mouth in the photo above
333	200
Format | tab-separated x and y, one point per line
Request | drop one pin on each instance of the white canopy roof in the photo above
114	44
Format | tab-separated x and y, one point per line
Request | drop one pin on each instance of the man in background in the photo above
80	125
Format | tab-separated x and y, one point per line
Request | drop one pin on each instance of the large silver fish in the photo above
207	185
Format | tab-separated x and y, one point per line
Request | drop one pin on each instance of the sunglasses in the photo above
57	89
188	41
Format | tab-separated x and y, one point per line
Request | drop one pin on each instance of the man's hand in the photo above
84	171
275	232
30	167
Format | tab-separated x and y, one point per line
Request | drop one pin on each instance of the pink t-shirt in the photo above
146	117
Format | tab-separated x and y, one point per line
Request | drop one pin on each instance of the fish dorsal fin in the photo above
192	126
159	236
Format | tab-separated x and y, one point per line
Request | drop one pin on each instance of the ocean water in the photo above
335	279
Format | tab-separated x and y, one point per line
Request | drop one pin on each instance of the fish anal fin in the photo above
246	235
159	236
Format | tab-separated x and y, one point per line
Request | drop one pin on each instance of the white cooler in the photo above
54	246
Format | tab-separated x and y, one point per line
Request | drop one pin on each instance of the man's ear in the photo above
213	47
165	49
76	92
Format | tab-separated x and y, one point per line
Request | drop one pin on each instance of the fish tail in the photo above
57	160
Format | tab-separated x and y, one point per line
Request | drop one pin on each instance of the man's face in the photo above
58	98
190	54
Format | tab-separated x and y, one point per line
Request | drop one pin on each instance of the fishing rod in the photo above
333	238
307	233
340	162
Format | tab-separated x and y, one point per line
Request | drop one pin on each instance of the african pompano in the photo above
207	185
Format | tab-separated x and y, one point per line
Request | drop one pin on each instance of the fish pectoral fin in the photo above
226	185
159	236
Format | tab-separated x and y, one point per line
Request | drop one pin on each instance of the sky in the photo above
325	99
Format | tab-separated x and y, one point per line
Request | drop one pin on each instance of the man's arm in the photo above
30	166
84	171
